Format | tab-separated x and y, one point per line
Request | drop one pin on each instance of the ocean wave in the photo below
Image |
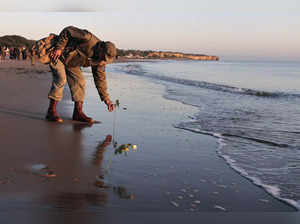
184	126
137	69
259	140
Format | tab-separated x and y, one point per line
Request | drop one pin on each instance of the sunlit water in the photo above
252	108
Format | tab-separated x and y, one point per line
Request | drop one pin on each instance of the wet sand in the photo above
48	170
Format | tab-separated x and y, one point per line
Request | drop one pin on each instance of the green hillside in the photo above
15	41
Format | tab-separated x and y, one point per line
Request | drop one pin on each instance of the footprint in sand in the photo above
42	170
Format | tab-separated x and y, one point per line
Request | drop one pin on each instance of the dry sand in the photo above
50	170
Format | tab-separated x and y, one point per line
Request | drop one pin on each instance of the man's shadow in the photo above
22	113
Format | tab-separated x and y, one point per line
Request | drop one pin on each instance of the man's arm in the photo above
67	34
73	33
101	85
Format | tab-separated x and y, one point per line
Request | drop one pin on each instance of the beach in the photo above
50	169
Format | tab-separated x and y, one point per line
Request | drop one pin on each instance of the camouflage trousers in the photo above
62	75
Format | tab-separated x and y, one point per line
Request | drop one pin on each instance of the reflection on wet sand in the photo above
98	156
78	127
75	201
123	193
77	185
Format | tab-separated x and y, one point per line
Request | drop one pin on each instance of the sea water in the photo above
251	108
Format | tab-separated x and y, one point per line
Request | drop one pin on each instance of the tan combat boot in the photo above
52	114
78	114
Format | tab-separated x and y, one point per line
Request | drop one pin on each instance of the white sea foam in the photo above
271	189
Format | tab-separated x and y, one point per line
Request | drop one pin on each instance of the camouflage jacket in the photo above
79	49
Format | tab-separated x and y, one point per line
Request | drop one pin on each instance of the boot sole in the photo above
58	120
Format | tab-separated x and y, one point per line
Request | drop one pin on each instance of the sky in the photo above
232	29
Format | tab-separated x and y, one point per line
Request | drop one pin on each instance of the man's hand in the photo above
55	54
109	104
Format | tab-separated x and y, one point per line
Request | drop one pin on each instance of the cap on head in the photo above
110	51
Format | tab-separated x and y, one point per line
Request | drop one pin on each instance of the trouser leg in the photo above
76	82
33	60
59	81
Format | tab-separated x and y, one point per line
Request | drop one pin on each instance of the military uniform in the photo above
66	54
80	49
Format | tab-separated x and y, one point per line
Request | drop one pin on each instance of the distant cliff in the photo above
164	55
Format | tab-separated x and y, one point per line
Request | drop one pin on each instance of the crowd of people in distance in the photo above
14	53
